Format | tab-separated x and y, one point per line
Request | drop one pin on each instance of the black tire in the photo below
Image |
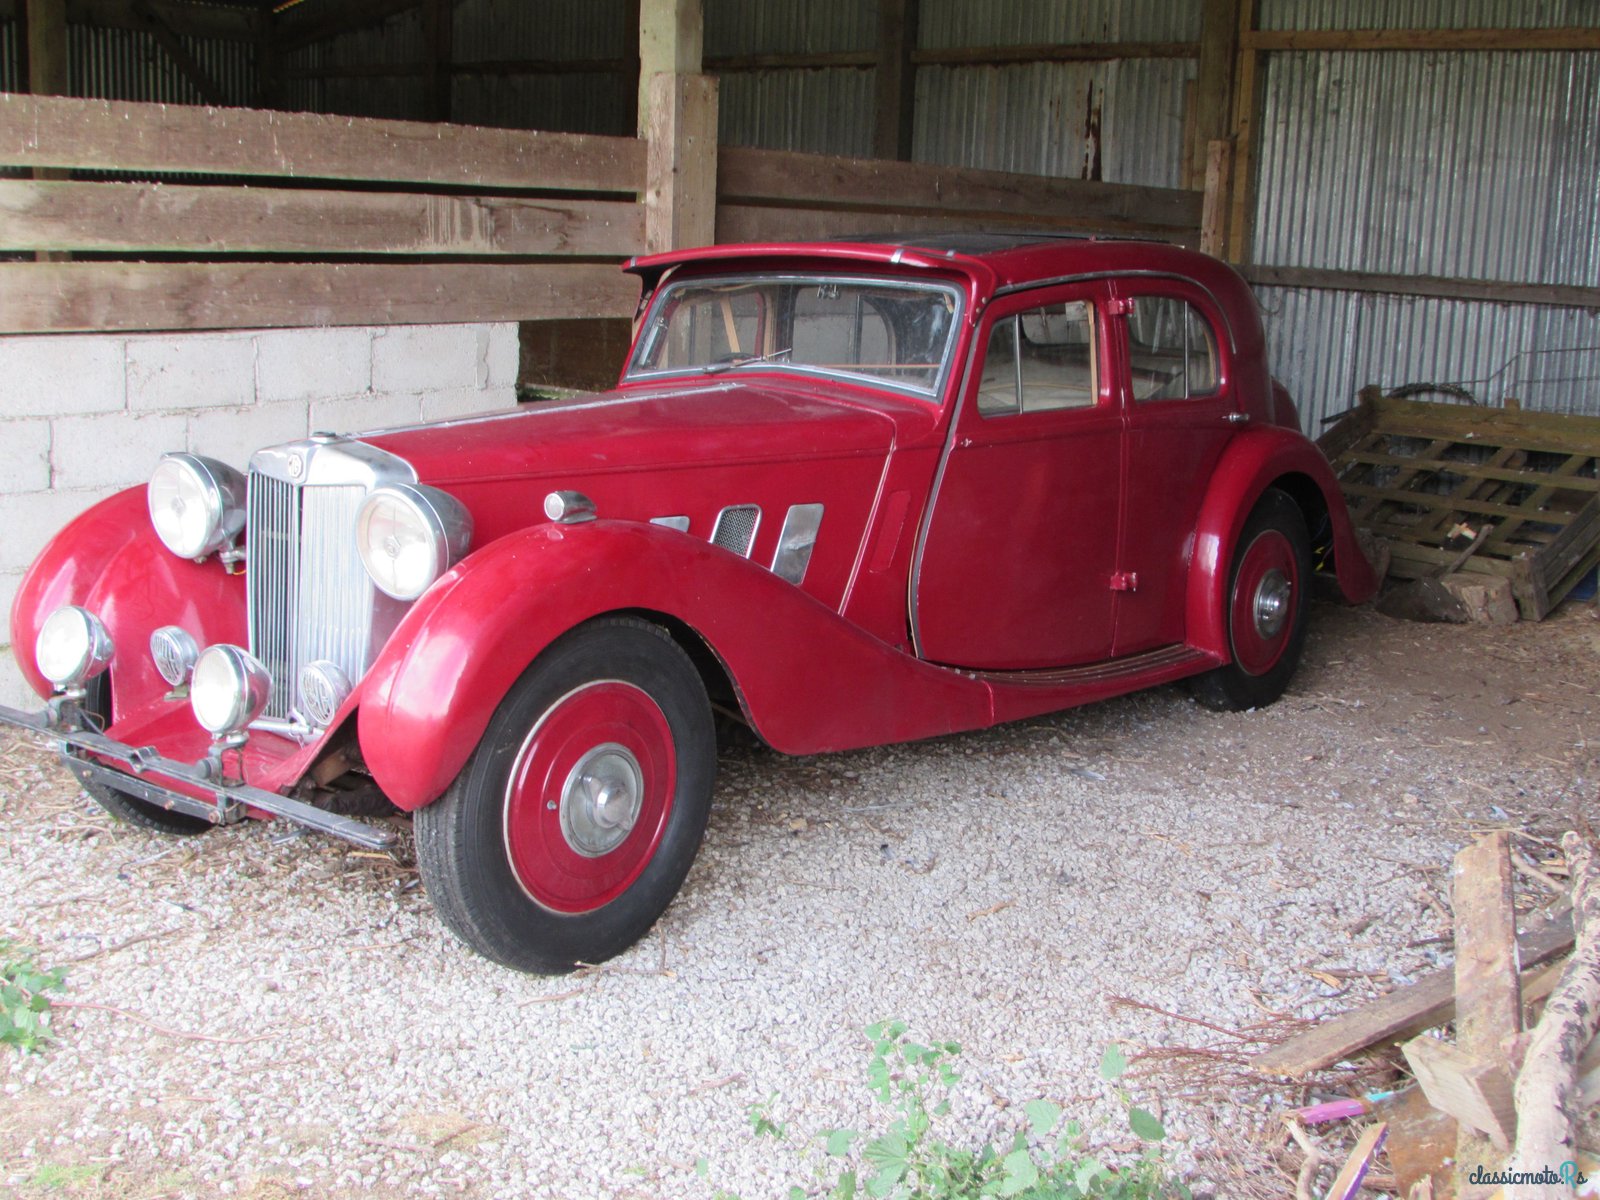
1273	548
129	809
523	856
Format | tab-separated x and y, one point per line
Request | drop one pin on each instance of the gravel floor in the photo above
284	1015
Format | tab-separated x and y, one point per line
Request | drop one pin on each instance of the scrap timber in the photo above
1489	491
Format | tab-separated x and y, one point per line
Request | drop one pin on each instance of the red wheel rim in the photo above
1266	595
588	796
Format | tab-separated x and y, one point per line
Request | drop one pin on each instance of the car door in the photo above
1182	409
1015	568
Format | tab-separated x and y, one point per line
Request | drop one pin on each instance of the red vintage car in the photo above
848	493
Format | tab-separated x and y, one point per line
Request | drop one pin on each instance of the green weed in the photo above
24	998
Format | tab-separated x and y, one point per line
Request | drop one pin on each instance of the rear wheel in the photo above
1267	595
575	821
128	809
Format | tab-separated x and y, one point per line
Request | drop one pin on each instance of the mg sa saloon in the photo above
846	493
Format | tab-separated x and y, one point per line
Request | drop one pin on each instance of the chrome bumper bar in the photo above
230	798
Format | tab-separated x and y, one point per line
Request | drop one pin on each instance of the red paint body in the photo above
967	570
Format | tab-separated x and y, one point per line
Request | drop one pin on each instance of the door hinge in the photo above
1119	306
1125	581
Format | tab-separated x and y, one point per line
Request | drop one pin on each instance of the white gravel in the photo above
993	888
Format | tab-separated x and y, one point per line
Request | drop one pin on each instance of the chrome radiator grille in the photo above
310	597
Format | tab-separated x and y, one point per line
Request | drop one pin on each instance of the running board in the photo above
1163	659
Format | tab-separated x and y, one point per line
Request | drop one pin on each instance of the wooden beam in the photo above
817	180
140	217
1403	1013
488	66
1214	216
895	86
774	223
1494	291
994	56
1475	1092
671	42
99	135
47	47
188	66
680	196
1576	38
1246	120
100	297
1213	92
349	16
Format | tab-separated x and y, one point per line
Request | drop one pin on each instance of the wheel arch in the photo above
1256	461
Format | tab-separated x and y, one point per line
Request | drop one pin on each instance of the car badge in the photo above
297	466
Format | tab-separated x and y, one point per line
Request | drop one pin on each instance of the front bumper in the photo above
228	800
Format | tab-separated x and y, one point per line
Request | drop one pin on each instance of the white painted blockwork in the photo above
83	415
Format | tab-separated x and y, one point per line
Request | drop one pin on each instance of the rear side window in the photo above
1172	350
1040	360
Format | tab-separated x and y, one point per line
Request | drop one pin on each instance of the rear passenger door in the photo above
1017	560
1182	410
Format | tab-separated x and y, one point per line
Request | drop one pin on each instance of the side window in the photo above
1172	350
1040	360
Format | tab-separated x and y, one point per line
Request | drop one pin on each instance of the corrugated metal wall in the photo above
1478	165
124	64
10	76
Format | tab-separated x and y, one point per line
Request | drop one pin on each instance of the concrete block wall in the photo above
85	415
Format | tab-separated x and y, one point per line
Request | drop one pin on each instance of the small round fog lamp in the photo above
73	647
229	689
174	652
324	686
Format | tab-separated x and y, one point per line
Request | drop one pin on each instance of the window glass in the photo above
997	388
1172	350
1040	360
885	331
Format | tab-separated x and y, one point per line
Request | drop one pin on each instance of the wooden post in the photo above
1212	112
681	163
671	42
1246	118
1488	991
896	79
1214	216
47	47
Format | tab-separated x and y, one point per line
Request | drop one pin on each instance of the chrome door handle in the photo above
1237	418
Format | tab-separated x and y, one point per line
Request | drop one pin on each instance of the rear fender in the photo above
110	561
807	680
1256	460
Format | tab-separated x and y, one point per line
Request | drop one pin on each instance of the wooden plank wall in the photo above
167	217
298	219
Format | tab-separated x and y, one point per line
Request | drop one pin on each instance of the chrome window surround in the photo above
644	343
796	540
310	597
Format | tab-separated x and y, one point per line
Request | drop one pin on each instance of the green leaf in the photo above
1089	1170
845	1189
1113	1063
702	1168
839	1141
796	1192
1042	1116
1019	1172
884	1181
890	1150
1144	1125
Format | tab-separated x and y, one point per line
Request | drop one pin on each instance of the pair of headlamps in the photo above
407	534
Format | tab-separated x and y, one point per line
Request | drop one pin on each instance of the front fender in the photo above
109	560
808	680
1256	460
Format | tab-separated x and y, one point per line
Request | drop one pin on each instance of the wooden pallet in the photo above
1457	487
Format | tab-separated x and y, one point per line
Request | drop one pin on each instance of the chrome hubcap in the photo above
601	800
1271	607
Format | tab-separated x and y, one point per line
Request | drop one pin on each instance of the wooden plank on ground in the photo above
1448	503
234	220
1565	479
1475	1091
1404	1012
818	180
85	297
101	135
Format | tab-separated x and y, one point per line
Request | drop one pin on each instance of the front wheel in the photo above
1267	609
129	809
575	821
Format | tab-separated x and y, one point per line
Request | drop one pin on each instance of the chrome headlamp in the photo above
197	505
228	689
72	647
409	535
